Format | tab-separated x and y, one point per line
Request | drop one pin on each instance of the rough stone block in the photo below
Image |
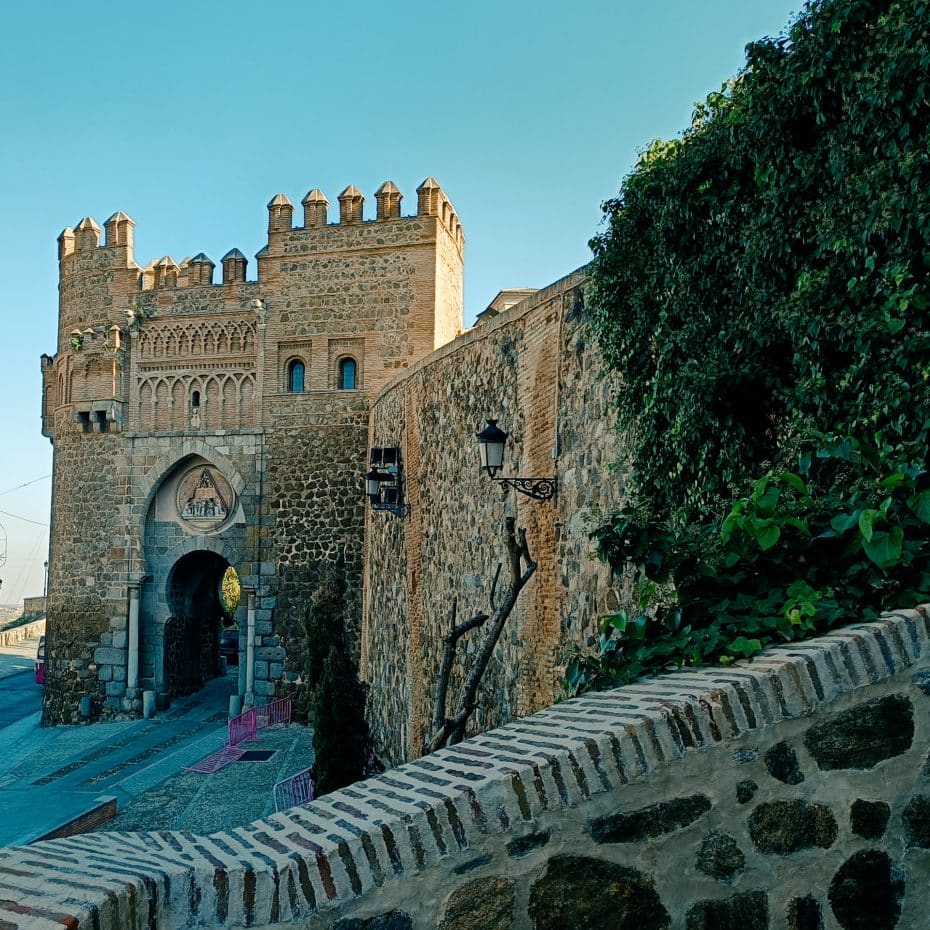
916	819
741	912
784	827
782	763
393	920
869	819
271	653
110	656
720	857
120	639
804	914
484	904
580	892
866	892
261	670
864	735
650	821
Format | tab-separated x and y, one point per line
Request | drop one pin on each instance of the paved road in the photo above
50	775
18	658
20	696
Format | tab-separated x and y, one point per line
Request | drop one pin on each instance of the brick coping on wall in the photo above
487	328
328	854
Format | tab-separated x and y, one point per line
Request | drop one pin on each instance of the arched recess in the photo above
168	465
191	653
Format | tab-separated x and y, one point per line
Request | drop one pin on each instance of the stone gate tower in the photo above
199	425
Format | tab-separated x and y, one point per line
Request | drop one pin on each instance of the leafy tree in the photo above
342	742
763	285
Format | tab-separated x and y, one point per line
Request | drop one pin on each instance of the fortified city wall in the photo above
536	369
258	389
786	792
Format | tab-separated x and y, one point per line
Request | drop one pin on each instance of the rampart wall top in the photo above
80	249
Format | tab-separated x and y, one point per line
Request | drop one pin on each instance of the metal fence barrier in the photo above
298	789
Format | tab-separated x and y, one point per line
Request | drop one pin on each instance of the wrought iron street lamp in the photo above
491	442
384	482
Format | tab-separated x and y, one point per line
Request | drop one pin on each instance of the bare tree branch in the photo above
448	731
450	641
497	575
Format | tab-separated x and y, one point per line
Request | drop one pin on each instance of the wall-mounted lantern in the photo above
491	442
384	482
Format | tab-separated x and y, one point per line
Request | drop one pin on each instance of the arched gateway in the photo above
194	532
192	632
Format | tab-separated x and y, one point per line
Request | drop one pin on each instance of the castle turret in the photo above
234	264
200	270
280	214
166	272
119	231
350	205
86	235
428	198
66	243
388	198
315	208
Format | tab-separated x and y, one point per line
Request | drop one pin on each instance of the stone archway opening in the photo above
197	616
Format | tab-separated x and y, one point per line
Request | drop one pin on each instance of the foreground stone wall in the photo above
536	369
793	791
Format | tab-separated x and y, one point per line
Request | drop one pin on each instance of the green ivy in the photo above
762	286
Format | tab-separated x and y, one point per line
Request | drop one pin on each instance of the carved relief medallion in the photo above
205	499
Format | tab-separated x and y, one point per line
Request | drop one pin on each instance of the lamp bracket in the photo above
540	489
399	510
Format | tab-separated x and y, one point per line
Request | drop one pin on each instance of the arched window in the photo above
347	374
195	399
295	376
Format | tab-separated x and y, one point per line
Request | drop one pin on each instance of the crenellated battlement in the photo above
80	249
431	201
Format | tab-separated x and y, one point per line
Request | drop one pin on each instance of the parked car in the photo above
40	662
229	645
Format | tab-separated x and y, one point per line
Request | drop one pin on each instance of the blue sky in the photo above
190	116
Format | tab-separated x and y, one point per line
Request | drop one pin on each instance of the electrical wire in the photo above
24	519
25	484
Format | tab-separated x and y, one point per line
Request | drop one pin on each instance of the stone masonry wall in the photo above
789	792
317	515
535	369
34	605
159	365
87	560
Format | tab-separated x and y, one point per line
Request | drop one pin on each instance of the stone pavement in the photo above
48	777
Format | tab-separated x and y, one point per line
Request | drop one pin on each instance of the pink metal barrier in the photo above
276	712
298	789
242	728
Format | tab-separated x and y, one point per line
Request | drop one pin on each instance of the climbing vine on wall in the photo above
762	286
